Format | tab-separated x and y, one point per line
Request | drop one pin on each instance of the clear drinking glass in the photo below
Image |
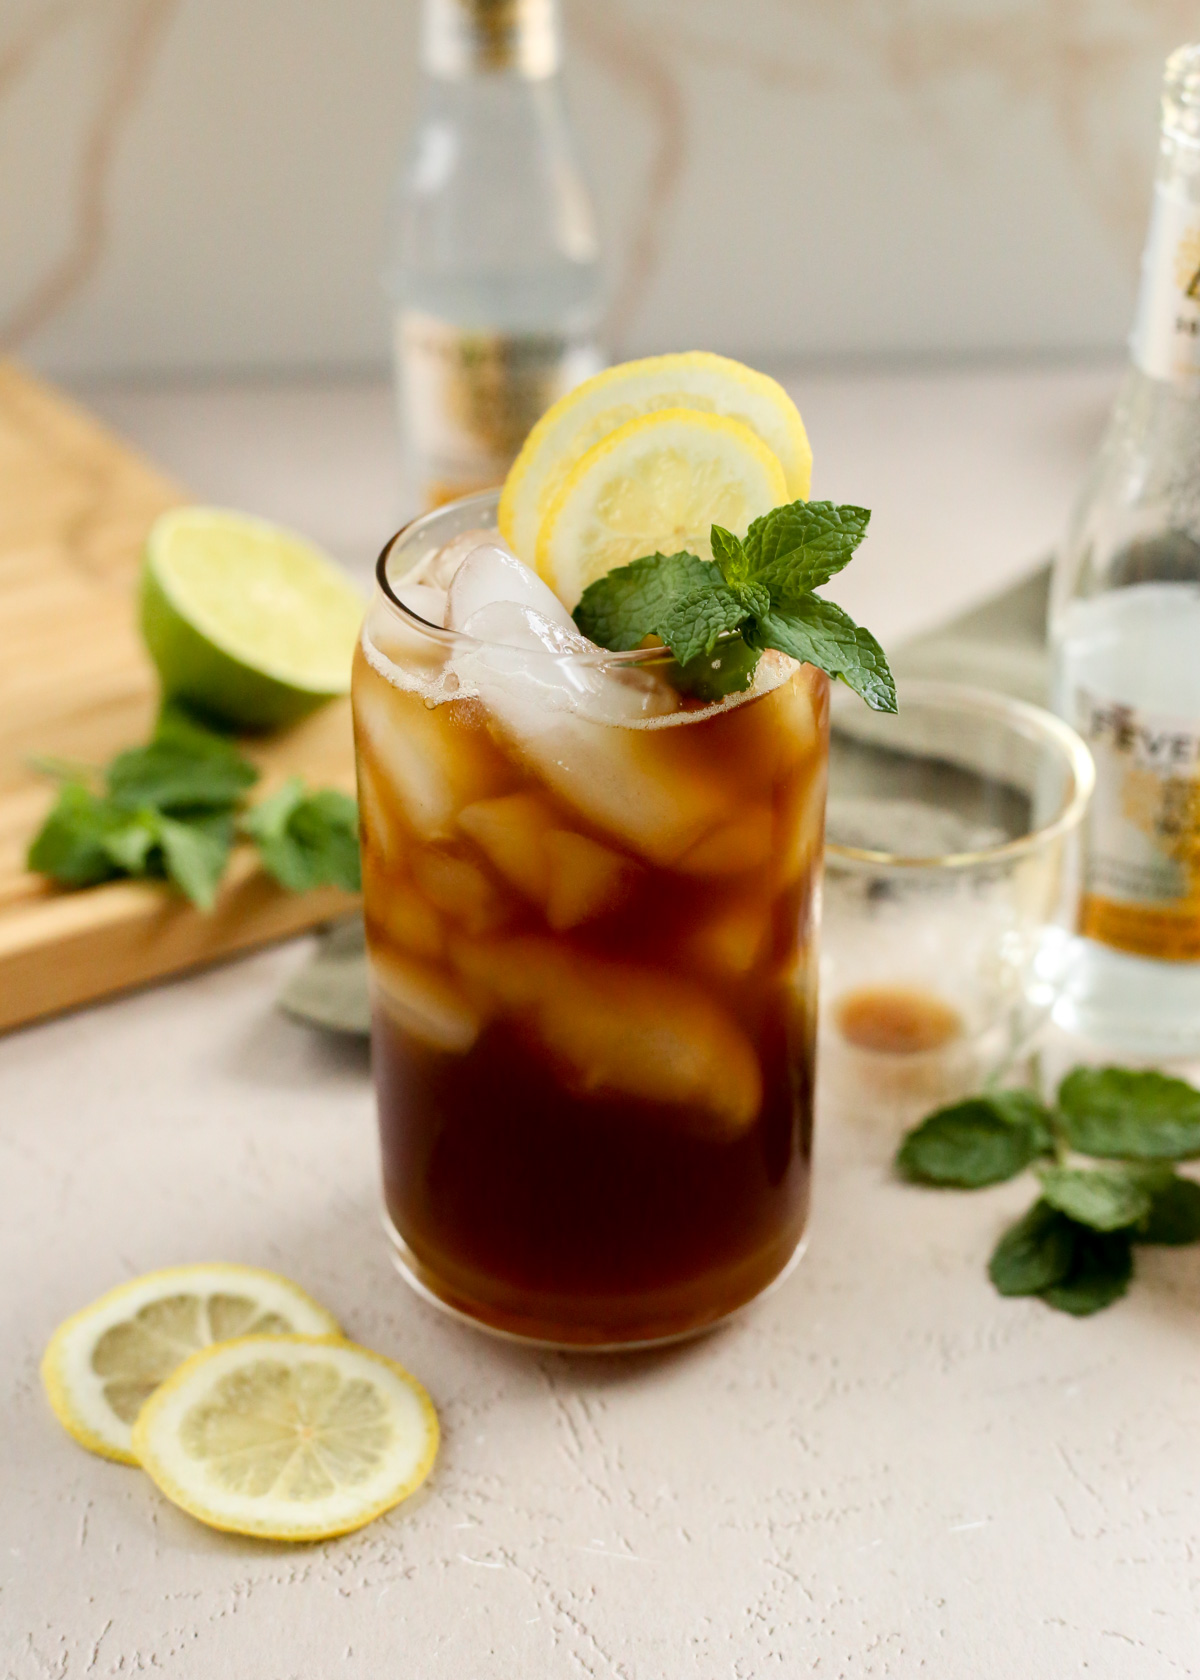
590	913
950	886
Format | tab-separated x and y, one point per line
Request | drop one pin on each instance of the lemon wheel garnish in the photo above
103	1364
659	483
696	379
287	1437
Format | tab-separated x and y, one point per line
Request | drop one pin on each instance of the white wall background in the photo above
202	184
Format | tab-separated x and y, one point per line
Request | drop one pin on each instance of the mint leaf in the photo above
1072	1268
267	821
729	555
130	845
728	669
966	1146
1026	1108
625	606
88	839
325	825
754	597
1034	1253
1099	1274
761	587
71	845
693	624
797	548
819	633
1141	1116
1104	1198
1174	1216
307	840
194	856
182	767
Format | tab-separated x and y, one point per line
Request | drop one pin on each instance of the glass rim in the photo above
1033	723
437	633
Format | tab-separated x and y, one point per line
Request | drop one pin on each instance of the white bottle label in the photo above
470	398
1142	883
1166	332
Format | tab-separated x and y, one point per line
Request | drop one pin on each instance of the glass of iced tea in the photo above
591	915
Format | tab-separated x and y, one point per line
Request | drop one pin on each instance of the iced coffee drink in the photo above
591	897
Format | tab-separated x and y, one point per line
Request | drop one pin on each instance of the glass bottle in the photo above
493	271
1125	634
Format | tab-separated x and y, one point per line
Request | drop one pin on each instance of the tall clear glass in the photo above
591	915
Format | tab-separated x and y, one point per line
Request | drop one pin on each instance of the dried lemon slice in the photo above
696	379
287	1437
102	1364
658	483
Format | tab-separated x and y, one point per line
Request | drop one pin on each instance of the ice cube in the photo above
413	655
570	877
507	626
615	1029
734	848
573	724
400	915
585	878
460	890
729	941
381	826
439	567
432	760
425	600
492	573
804	820
572	716
511	832
781	726
425	1001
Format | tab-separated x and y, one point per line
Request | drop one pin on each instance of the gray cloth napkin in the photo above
1000	645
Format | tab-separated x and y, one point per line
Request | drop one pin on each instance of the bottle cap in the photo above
464	37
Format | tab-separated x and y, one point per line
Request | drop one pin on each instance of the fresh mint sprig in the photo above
170	810
717	616
1075	1246
306	839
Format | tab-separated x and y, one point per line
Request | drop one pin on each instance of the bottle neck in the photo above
462	38
1165	343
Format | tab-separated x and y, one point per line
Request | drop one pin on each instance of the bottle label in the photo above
1142	876
471	398
1166	332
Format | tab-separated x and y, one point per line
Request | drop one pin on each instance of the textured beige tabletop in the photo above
883	1469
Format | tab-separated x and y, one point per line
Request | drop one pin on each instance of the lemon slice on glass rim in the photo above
695	379
103	1364
287	1437
658	483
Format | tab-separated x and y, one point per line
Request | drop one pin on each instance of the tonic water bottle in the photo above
1125	633
493	269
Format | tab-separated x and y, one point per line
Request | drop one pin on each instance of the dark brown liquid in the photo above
598	1133
896	1020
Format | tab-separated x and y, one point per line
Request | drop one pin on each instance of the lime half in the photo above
245	620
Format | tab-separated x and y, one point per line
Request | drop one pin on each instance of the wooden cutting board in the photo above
75	682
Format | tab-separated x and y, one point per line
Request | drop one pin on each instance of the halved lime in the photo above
245	620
